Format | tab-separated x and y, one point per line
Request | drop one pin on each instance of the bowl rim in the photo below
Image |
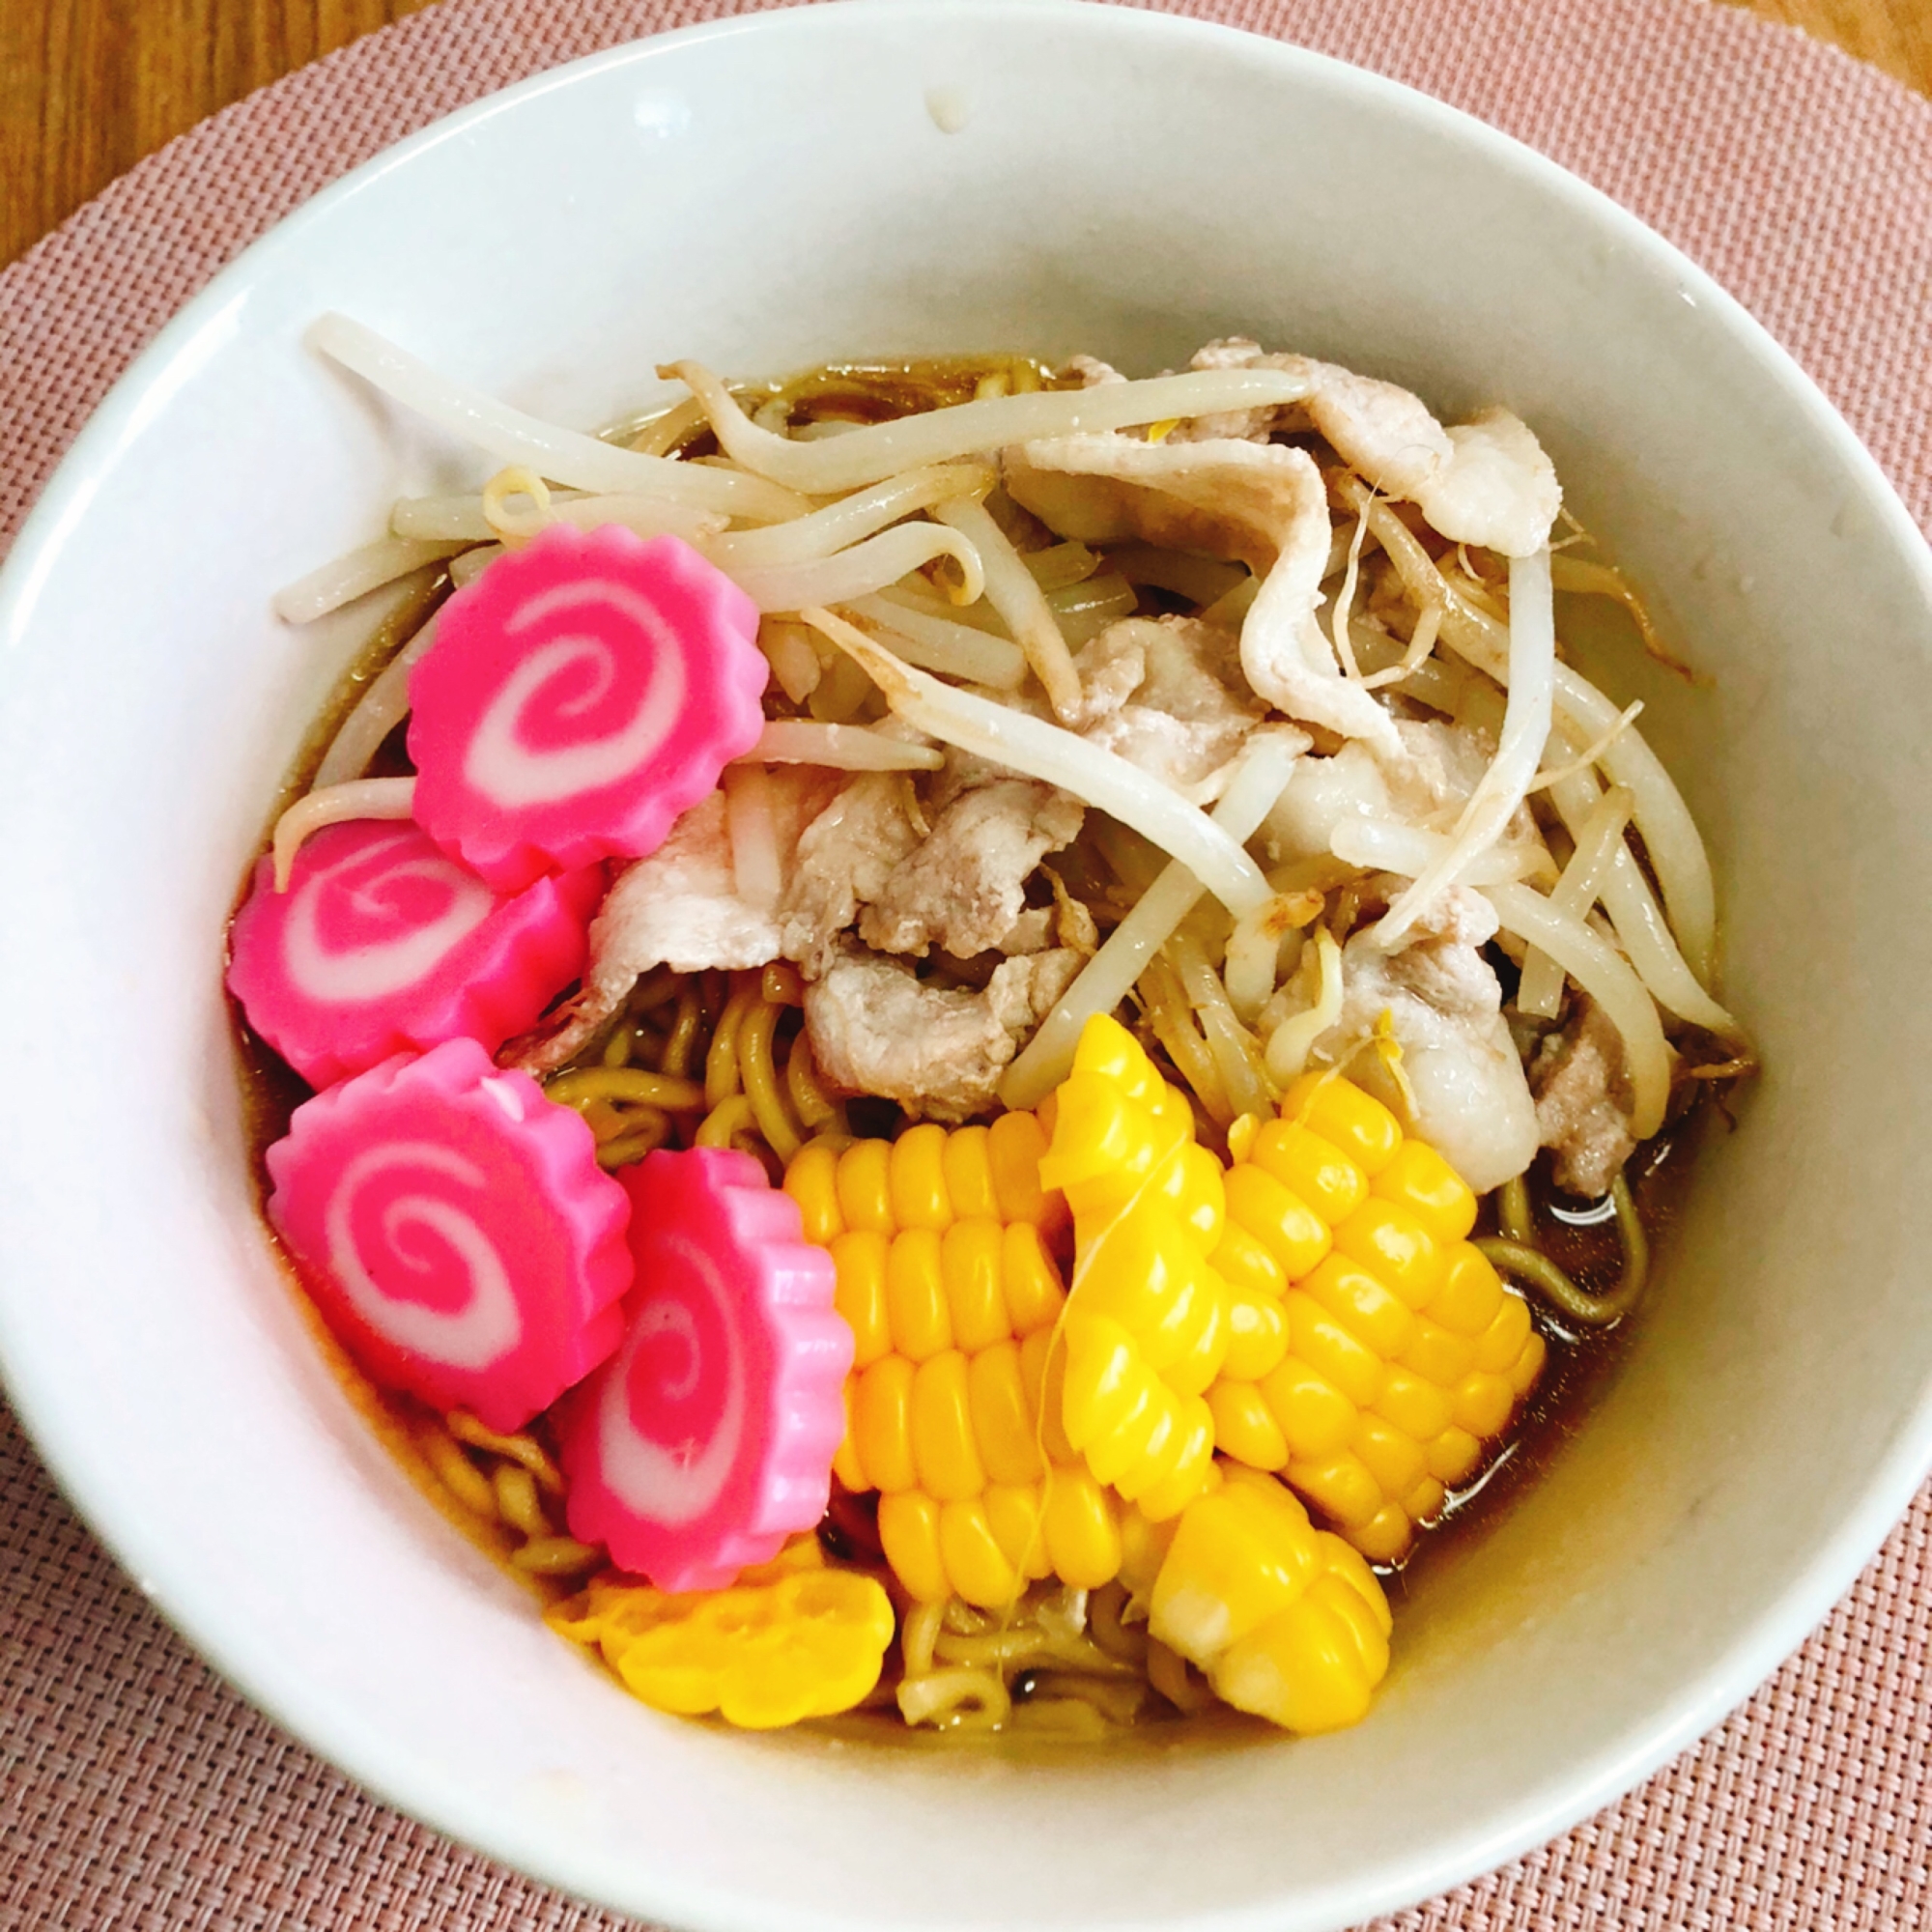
170	1583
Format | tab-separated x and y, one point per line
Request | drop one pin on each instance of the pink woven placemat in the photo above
137	1790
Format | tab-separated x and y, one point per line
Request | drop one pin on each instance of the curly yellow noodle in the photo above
814	1105
555	1556
760	1079
626	1086
724	1124
721	1062
523	1449
1167	1673
918	1633
956	1699
633	1146
685	1029
517	1501
456	1472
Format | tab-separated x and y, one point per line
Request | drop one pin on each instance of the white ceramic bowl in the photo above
766	194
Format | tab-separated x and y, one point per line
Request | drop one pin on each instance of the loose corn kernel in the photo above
1147	1329
939	1241
1403	1354
1286	1620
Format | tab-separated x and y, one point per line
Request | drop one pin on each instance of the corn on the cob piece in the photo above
939	1240
1374	1353
1287	1621
1146	1329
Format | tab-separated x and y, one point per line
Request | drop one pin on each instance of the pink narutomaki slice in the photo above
383	944
579	695
456	1231
708	1439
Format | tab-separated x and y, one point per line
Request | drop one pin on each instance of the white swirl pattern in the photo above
486	1325
510	773
373	972
668	1485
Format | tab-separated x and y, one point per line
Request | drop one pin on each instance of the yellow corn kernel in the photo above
1195	1188
1388	1238
859	1258
1385	1536
1404	1354
1394	1460
1003	1421
1245	1426
1081	1525
1013	1515
1421	1181
1257	1338
1329	1348
909	1535
968	1169
845	1463
1454	1453
1469	1294
1246	1263
1014	1147
943	1449
1169	1493
1144	1544
882	1425
1437	1354
967	1259
1482	1403
1286	1620
1289	1230
945	1273
1340	1113
1043	1374
1029	1280
801	1641
1314	1169
1422	1502
916	1174
1523	1371
1340	1487
1420	1408
865	1186
918	1307
976	1567
1501	1342
812	1181
1358	1301
1315	1417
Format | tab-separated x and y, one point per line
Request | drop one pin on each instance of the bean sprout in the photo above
861	570
1607	976
941	436
1294	1040
562	455
1518	752
1013	593
1598	839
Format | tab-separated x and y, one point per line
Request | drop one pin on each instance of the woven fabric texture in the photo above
137	1790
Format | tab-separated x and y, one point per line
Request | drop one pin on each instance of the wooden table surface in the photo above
88	87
